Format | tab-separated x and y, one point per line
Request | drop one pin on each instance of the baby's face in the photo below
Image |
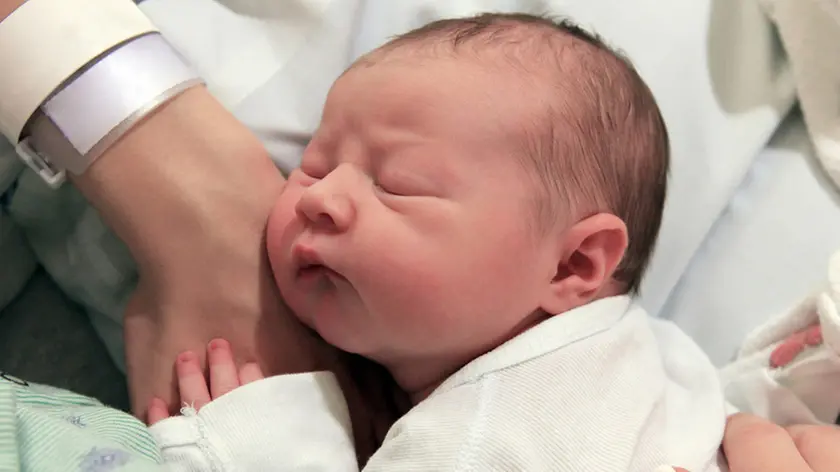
405	235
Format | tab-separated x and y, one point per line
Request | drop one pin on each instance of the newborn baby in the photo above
480	199
474	213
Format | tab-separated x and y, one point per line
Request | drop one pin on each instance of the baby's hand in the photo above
192	384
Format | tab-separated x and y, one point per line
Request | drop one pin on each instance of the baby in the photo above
474	213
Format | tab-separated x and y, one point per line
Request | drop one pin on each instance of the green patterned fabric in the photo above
45	429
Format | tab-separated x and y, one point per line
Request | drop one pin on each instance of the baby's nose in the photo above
324	210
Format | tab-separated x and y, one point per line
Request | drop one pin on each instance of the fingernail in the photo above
185	357
218	344
664	468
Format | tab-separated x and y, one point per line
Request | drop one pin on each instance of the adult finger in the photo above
191	382
157	411
250	372
818	445
752	444
223	375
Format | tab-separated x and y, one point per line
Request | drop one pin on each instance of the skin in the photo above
752	444
195	390
416	211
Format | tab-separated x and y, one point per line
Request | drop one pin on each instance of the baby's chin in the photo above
335	330
325	314
295	301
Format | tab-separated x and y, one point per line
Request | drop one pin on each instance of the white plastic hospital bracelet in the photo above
76	125
43	43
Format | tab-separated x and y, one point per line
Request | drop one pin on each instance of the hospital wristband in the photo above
44	43
80	122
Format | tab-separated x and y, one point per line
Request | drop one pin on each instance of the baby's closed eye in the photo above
405	184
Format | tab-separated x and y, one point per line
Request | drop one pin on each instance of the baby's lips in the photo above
305	255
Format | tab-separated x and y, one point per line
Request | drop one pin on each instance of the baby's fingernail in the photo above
664	468
185	357
218	344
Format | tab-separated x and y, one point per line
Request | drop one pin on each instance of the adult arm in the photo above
189	190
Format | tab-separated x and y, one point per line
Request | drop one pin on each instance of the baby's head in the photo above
469	179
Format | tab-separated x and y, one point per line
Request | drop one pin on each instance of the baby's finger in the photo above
787	351
157	411
223	375
250	372
191	382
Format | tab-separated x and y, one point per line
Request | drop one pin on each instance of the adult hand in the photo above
160	324
752	444
267	335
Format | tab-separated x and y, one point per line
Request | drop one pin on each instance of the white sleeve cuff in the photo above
287	422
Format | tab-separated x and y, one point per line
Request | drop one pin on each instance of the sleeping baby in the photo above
475	213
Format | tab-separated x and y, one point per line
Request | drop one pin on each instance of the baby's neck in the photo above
420	377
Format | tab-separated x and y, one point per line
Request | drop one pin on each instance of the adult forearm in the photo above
185	187
8	6
174	176
189	190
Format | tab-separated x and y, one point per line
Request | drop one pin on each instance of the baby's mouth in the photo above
307	270
310	265
316	272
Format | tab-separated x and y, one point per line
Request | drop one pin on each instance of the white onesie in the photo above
603	388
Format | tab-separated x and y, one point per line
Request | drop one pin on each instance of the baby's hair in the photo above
600	142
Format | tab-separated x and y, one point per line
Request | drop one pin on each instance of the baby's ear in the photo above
589	252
